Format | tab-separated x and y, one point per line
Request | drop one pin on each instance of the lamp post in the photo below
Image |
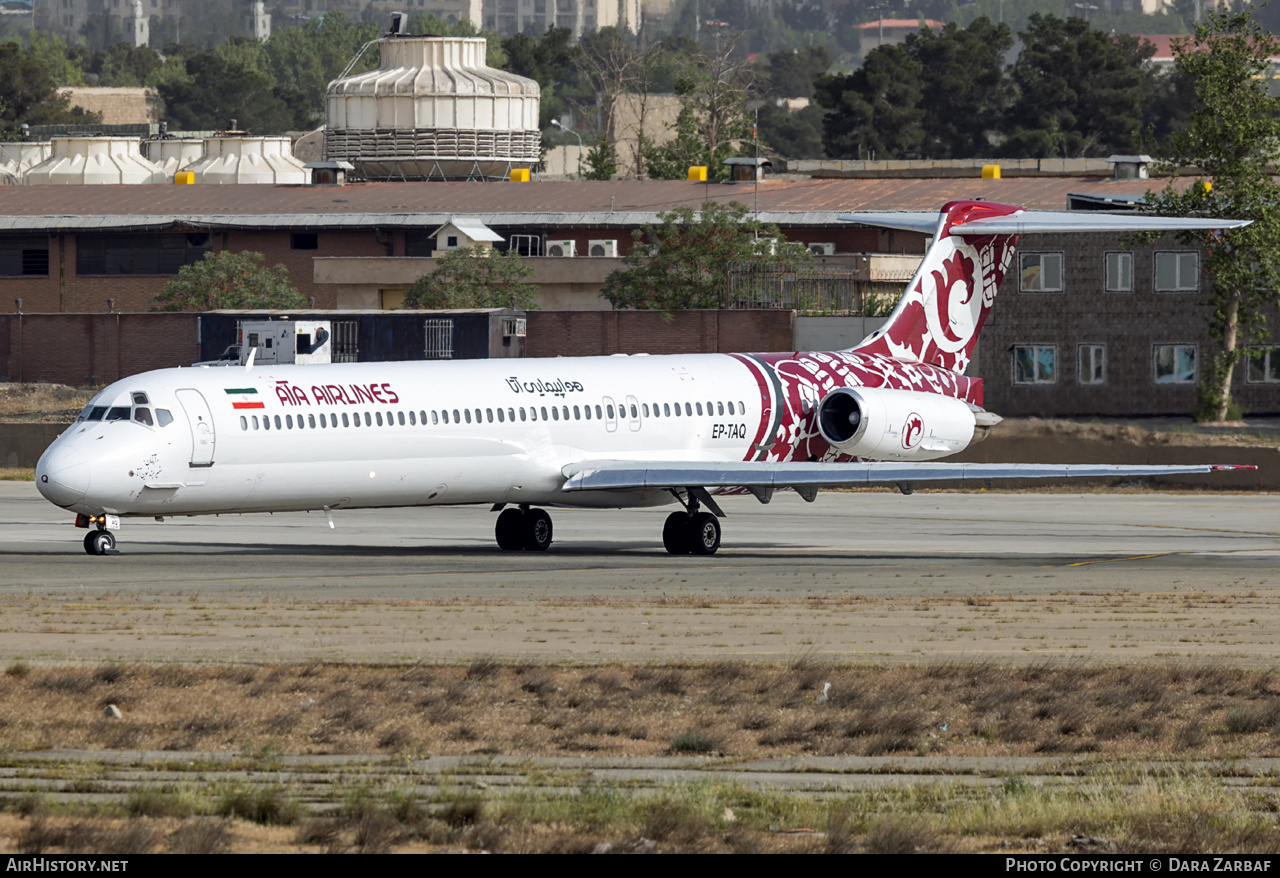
555	123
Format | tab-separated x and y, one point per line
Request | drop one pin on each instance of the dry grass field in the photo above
1125	720
747	711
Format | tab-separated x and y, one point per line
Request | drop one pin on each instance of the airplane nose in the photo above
62	475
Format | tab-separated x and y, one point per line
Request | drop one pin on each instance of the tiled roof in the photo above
550	204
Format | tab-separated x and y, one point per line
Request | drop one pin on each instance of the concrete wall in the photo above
833	333
119	106
22	444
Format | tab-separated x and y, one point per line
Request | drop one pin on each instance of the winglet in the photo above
248	364
1222	466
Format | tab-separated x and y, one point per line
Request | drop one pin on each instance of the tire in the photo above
99	542
537	530
675	534
510	530
703	534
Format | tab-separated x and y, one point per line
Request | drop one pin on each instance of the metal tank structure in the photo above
239	159
94	161
173	154
433	110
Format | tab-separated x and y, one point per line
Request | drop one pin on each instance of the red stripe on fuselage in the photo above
247	405
766	411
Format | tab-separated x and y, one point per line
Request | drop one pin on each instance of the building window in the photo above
439	339
1177	272
1093	363
1264	366
1119	272
24	257
304	241
98	255
1042	272
1034	364
1175	363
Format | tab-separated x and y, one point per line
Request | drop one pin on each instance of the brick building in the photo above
1085	324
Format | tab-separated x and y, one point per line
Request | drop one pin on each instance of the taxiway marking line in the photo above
1113	560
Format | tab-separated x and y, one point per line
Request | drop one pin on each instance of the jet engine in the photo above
900	424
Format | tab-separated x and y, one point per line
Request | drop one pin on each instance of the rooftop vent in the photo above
94	160
238	159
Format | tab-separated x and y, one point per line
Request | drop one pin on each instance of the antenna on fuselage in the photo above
248	364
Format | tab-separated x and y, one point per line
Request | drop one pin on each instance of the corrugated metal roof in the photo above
622	203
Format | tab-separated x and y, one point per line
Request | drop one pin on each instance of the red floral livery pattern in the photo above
792	386
947	302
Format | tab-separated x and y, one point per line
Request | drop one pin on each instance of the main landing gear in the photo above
691	532
523	528
99	542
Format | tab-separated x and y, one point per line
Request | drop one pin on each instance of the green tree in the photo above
31	95
1233	139
307	57
602	161
685	259
227	84
1087	86
229	280
874	112
792	72
965	92
475	277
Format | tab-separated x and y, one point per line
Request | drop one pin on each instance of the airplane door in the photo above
200	420
633	409
611	416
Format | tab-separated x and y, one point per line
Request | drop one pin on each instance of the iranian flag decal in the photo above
244	393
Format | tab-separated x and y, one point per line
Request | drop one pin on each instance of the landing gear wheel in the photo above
510	530
675	534
703	534
99	542
537	530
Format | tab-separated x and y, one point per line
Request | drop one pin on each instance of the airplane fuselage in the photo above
278	438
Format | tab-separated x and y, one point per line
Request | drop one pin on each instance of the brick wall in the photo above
1129	324
601	333
93	349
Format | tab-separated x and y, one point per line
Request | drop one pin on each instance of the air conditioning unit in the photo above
562	248
822	249
603	248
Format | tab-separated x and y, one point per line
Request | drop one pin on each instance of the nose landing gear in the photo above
523	528
99	542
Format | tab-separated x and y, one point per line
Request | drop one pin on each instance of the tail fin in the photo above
947	302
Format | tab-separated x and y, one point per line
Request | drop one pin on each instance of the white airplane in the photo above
599	432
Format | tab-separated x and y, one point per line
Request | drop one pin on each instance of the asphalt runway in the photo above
856	576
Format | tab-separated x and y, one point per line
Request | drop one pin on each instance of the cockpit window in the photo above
163	418
118	413
142	415
93	413
141	399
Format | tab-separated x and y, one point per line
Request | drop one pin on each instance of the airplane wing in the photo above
761	477
1040	222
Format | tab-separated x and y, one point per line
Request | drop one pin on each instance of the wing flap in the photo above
620	475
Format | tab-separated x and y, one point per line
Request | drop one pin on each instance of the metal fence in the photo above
813	290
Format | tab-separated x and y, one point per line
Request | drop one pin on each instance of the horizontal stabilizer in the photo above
1026	222
621	475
